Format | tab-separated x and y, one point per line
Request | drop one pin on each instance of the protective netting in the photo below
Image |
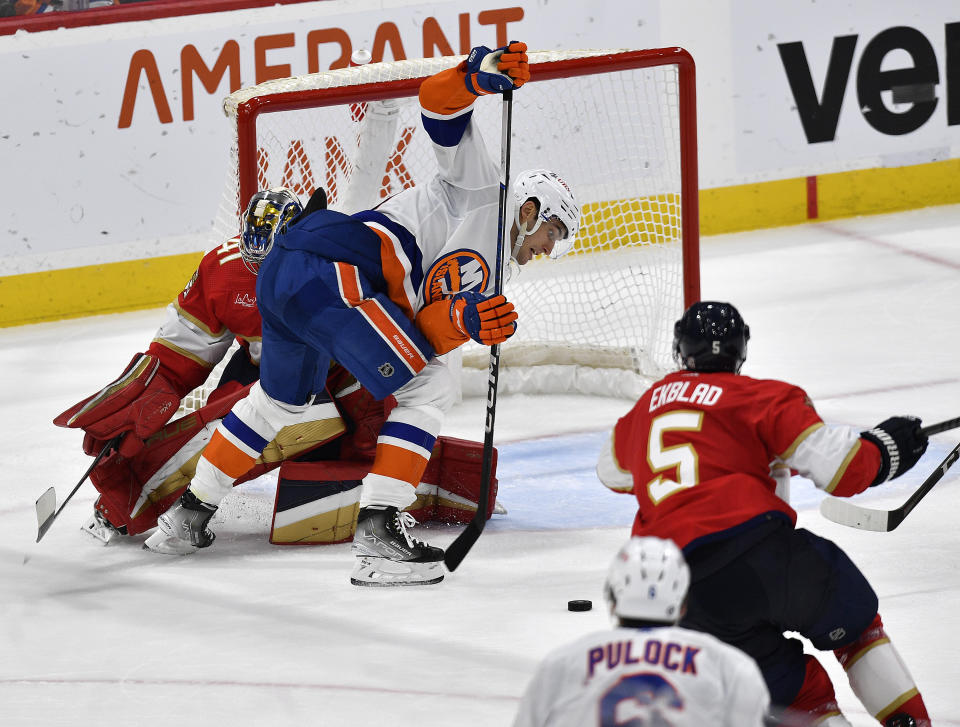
613	132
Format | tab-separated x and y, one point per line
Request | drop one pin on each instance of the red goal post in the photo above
618	125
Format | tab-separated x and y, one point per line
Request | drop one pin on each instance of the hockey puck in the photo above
579	605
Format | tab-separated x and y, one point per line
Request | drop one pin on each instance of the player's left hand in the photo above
451	322
486	320
496	71
135	405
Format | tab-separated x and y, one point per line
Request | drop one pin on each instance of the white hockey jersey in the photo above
659	677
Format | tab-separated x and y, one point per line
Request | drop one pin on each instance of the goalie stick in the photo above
47	502
458	549
842	510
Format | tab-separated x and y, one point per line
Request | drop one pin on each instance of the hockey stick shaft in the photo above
941	426
927	485
843	511
47	502
458	549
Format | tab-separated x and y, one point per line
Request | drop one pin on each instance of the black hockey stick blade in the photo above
458	549
842	510
47	502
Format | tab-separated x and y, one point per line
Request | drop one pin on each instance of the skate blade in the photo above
160	542
382	572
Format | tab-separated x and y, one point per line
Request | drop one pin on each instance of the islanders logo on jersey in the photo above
455	272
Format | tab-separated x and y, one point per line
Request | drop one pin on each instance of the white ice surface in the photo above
861	313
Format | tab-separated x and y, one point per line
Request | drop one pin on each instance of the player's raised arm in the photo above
446	105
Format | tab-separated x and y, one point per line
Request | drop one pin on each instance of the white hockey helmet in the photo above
648	581
268	212
555	199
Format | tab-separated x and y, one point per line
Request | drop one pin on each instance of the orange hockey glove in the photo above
515	63
496	71
452	322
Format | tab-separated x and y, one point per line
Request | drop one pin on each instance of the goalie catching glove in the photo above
452	322
137	404
901	444
496	71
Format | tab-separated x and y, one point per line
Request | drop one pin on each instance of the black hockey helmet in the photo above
711	336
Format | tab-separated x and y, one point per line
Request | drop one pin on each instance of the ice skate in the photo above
102	529
387	555
182	529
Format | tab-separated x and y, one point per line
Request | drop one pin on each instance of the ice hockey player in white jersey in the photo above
386	292
647	670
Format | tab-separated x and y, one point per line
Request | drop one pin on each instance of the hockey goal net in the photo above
618	126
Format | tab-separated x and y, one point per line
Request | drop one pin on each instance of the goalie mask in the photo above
269	212
648	581
711	336
554	199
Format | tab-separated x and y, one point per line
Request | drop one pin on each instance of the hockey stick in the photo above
842	511
941	426
47	502
845	512
459	548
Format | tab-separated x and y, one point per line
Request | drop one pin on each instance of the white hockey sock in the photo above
878	675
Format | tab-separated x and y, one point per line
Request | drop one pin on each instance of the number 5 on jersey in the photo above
681	458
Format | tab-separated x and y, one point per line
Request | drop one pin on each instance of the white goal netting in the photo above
618	126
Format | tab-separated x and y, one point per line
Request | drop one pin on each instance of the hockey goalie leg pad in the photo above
134	491
816	703
118	480
450	486
317	502
879	677
373	571
461	471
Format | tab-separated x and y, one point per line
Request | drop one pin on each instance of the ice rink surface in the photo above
861	313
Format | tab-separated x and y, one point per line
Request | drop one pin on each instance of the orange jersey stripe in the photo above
391	333
349	281
226	457
394	273
399	463
445	93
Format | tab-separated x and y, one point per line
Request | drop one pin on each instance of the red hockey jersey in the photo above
697	451
218	305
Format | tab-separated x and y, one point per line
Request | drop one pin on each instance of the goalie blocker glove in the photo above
901	444
495	71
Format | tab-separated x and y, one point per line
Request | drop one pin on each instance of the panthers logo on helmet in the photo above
455	272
